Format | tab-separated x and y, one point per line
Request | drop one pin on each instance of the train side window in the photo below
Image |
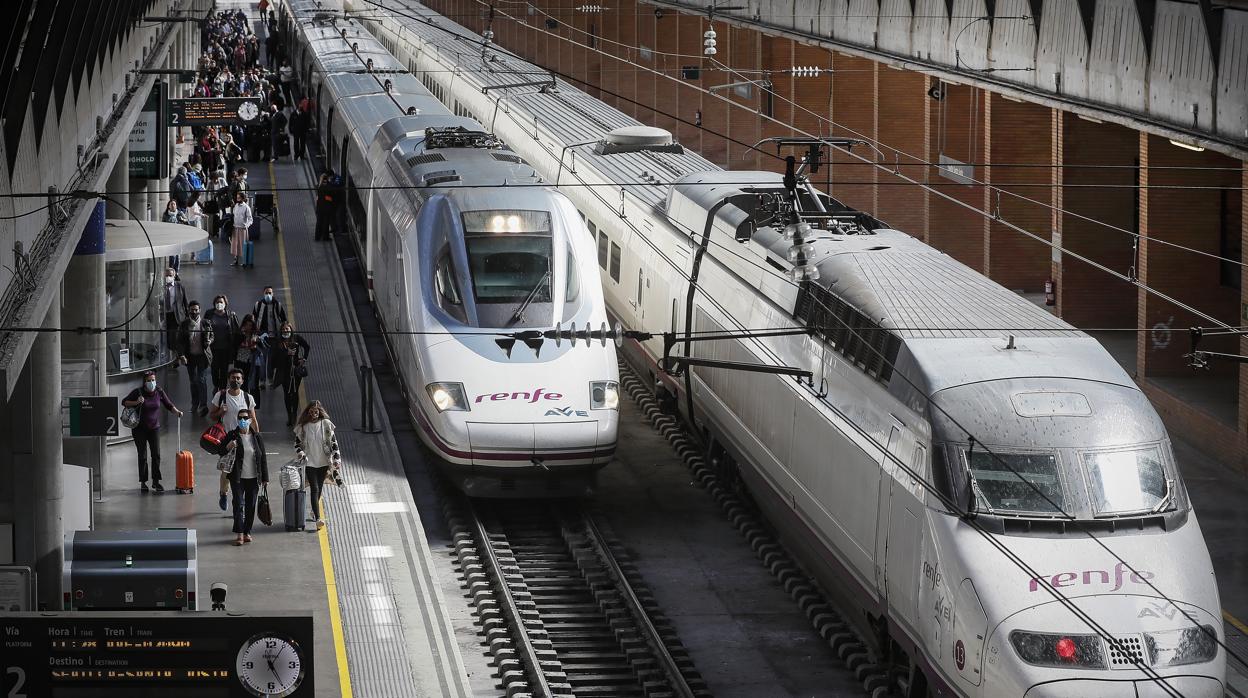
593	229
602	250
574	282
448	292
641	280
615	262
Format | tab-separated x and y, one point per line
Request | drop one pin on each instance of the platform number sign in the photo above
93	416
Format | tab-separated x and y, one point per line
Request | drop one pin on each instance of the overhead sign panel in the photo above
214	111
147	654
149	140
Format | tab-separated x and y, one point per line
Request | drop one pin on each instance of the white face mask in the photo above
168	280
219	306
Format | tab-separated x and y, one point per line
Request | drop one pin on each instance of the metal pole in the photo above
367	396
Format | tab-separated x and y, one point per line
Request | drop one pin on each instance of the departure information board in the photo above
141	655
213	111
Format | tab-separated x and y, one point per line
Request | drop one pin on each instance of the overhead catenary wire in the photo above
927	186
877	145
1056	594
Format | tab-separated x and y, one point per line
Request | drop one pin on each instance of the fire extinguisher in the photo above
1050	292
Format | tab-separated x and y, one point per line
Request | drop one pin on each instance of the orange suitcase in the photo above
185	466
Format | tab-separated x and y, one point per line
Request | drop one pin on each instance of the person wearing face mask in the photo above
269	315
317	445
249	472
226	405
242	221
224	339
290	354
173	308
195	349
149	399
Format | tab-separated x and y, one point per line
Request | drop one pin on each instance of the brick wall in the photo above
1018	134
1192	217
903	127
854	106
956	124
1090	297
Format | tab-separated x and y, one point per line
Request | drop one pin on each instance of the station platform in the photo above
368	578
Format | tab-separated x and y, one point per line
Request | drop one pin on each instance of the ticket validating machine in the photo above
131	570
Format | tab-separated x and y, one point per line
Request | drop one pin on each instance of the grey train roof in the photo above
907	285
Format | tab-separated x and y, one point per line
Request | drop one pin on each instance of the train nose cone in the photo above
1137	659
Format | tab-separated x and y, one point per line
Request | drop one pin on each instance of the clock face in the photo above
248	111
270	665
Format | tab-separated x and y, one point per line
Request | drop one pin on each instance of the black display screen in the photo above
186	655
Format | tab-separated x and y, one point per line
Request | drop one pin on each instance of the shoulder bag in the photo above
263	511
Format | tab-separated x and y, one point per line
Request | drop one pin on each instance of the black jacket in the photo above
184	338
178	308
289	352
263	319
262	463
300	121
227	342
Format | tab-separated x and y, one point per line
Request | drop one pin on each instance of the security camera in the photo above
218	592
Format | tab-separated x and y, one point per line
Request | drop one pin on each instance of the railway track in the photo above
561	610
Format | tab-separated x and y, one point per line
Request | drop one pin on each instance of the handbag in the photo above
212	438
291	476
301	369
225	463
130	417
263	511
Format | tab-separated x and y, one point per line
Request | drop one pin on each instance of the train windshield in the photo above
509	262
1024	483
1127	481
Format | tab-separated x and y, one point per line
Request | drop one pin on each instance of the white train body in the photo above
462	244
826	468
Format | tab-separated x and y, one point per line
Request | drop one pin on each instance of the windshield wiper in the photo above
528	300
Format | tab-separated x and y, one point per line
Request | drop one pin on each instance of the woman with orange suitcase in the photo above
147	401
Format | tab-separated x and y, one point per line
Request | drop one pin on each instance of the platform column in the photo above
86	308
118	183
34	416
138	202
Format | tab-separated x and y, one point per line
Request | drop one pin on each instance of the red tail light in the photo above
78	594
1066	649
177	593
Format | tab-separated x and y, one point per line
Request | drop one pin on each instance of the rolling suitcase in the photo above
249	254
185	466
205	256
294	509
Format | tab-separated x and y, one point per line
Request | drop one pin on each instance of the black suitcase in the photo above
295	509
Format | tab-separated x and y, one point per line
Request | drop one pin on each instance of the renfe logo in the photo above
524	395
1091	577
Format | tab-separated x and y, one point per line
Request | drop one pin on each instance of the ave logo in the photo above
566	412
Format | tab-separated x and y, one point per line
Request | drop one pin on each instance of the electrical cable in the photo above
875	144
977	210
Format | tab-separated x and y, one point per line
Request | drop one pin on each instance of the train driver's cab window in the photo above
509	260
1125	482
1016	483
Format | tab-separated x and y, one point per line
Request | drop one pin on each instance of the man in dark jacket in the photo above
195	352
277	132
326	205
269	315
181	189
172	308
300	122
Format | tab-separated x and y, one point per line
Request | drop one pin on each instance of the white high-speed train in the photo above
837	464
463	247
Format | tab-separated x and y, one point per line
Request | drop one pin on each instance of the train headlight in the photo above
448	396
604	395
1049	649
1187	646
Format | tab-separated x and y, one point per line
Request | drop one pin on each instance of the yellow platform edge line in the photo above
327	559
1239	624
